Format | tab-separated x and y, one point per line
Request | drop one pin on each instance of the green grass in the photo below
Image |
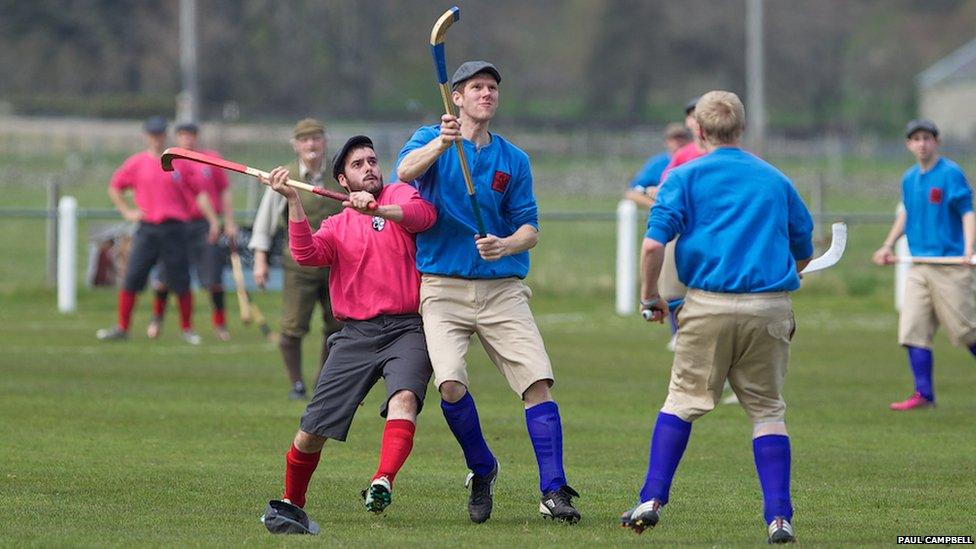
157	443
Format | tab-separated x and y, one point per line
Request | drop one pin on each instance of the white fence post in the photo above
626	257
67	254
901	271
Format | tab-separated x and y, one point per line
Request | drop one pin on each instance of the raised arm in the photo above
416	163
408	209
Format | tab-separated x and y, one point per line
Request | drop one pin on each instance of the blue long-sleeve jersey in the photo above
503	184
742	224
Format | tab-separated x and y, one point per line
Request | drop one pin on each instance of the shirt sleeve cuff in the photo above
259	242
658	234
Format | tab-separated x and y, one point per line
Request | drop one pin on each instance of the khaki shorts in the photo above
744	338
934	295
302	289
498	311
668	284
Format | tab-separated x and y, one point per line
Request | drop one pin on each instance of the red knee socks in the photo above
186	310
396	446
127	301
298	472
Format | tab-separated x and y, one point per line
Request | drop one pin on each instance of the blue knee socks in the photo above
462	418
921	363
546	434
772	454
668	443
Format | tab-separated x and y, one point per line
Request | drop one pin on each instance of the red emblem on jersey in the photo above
500	181
935	195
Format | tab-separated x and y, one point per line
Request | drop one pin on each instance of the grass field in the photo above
164	444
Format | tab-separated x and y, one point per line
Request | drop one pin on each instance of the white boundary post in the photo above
67	254
626	257
901	269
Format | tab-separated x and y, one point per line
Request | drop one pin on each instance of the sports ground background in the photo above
160	443
163	444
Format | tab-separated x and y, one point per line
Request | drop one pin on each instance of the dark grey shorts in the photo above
206	260
388	346
158	242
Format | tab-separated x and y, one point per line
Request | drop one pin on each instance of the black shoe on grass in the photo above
558	505
378	496
781	531
641	517
298	392
482	494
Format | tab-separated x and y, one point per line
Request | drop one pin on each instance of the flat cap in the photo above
471	68
691	104
306	126
188	127
921	124
155	125
339	160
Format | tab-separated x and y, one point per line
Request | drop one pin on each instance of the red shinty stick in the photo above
177	153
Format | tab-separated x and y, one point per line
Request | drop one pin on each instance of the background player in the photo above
737	320
375	289
303	286
475	286
938	221
207	256
644	186
162	207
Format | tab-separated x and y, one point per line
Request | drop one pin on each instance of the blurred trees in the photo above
846	65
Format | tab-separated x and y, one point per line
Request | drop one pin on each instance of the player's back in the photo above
741	224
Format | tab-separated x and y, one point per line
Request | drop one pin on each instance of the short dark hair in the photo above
354	143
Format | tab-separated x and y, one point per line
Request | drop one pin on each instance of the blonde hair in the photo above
721	116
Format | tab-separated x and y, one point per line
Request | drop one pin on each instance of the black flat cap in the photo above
471	68
188	127
921	124
691	104
155	125
339	160
281	517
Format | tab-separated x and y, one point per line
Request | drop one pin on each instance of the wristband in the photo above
648	303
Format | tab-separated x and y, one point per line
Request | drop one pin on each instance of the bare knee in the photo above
402	405
307	443
537	393
452	391
769	428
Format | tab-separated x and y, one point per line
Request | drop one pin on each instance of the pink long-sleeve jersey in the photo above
372	260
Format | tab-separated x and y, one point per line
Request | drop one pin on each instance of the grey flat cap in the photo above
691	104
471	68
921	125
155	125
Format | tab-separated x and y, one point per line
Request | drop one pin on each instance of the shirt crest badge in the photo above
378	223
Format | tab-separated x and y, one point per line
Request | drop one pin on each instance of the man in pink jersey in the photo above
690	151
206	255
162	208
375	289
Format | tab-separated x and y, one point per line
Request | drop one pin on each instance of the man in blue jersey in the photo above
643	187
938	221
475	285
745	235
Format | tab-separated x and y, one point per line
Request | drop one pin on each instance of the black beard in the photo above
373	187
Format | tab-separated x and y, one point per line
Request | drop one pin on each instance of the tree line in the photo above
839	65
